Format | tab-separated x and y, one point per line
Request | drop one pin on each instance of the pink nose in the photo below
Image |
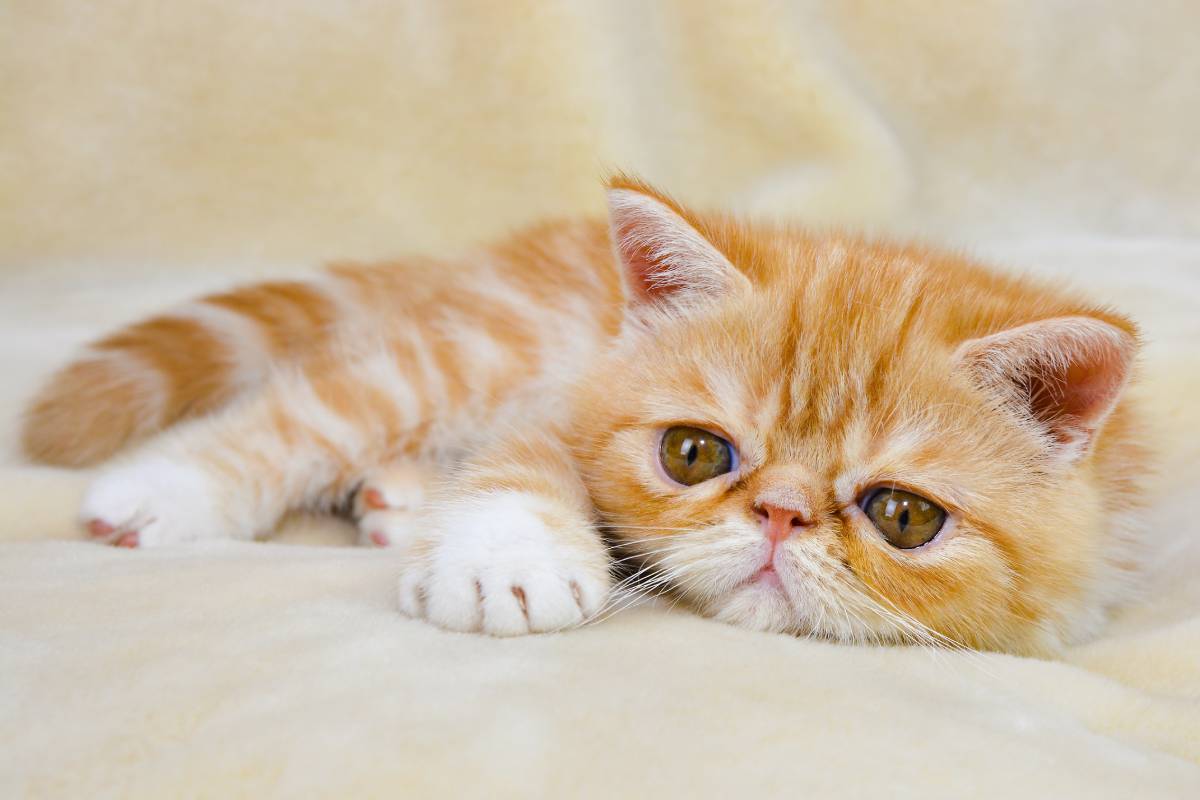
779	523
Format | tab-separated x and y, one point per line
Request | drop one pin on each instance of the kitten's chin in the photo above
760	605
776	604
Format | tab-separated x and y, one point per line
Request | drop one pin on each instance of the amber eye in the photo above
905	519
691	455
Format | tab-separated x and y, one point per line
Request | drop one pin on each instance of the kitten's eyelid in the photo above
852	490
686	422
870	489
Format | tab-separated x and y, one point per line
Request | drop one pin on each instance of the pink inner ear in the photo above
1068	372
663	256
1075	399
647	275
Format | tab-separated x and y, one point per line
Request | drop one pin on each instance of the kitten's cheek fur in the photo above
507	564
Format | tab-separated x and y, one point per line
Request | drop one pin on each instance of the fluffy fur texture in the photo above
544	371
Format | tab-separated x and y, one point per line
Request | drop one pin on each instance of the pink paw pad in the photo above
379	539
128	540
100	529
373	498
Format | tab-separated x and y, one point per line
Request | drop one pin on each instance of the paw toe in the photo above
454	603
373	498
387	528
399	487
412	594
552	606
504	610
589	594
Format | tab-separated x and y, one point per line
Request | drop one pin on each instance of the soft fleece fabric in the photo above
151	151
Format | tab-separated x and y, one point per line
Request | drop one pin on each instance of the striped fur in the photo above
544	369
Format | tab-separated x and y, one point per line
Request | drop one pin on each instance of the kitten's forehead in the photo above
841	351
851	342
824	367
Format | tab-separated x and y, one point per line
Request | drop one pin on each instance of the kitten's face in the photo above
812	455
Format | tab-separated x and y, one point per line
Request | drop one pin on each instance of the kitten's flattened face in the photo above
825	401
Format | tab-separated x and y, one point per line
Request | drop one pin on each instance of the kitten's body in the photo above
548	367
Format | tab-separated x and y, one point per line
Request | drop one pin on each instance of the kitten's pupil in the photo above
692	452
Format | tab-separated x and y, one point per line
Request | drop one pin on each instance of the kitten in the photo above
794	433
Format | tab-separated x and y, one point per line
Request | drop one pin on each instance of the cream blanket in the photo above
149	151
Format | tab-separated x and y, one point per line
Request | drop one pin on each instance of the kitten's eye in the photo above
691	455
906	520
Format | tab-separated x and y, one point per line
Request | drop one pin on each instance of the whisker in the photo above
931	640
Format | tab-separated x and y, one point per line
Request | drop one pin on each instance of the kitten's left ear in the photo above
664	258
1064	374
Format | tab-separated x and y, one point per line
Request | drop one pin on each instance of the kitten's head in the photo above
865	443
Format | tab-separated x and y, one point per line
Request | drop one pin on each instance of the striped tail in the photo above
188	362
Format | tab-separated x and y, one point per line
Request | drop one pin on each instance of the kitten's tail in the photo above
184	363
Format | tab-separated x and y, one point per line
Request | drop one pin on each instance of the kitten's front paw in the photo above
507	564
151	501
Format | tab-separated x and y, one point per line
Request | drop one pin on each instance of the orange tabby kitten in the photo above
794	433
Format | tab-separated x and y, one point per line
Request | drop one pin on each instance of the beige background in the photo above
315	128
152	150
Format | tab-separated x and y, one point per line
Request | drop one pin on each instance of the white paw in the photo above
387	506
507	564
389	528
153	500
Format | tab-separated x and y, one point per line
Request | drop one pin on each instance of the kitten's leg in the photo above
511	546
386	508
300	442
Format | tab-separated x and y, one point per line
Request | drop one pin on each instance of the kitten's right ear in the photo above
1063	374
664	259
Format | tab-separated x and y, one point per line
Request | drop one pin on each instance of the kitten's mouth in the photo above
767	576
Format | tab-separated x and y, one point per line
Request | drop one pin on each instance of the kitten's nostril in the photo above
766	512
779	523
